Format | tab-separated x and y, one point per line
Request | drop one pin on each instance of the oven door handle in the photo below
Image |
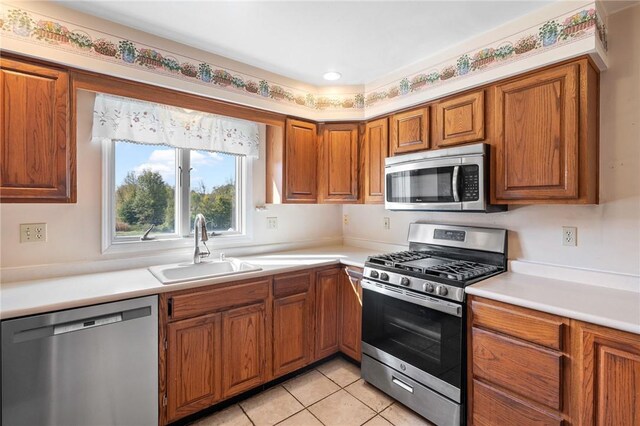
400	294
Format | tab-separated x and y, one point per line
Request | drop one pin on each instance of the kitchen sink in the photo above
186	271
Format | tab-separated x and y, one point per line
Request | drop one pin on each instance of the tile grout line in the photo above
367	405
338	384
245	413
304	407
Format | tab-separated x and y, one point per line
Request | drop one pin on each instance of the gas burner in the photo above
461	270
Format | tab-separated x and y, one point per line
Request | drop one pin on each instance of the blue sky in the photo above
212	168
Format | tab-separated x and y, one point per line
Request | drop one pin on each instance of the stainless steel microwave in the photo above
450	179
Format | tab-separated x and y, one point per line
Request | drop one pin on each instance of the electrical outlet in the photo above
386	223
33	232
272	223
569	236
345	219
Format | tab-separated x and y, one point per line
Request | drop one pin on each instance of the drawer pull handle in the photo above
402	384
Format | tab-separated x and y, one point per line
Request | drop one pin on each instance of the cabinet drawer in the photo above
536	327
286	285
493	407
202	302
531	372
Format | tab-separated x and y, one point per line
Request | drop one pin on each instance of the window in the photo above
163	188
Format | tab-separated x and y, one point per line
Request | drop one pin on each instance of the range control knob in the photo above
428	287
374	274
405	281
442	290
384	276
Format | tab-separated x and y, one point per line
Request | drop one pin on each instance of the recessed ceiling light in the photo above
332	75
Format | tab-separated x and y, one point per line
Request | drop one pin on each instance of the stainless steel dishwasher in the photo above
96	365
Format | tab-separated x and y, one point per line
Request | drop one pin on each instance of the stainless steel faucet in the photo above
200	234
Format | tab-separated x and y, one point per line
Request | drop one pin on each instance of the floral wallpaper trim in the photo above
43	30
560	31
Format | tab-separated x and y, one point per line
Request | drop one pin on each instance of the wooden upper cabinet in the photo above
327	318
301	158
376	149
193	365
338	164
37	162
459	120
546	131
292	322
409	131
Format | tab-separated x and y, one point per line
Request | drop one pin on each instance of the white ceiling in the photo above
303	40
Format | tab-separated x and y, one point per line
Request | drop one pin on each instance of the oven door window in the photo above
428	185
427	339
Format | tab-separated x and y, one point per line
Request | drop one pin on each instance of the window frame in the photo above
182	235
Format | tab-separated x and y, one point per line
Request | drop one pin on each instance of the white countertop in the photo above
46	295
609	307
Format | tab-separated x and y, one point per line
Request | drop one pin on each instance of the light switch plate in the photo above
33	232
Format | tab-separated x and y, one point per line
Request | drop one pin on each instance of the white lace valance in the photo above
155	124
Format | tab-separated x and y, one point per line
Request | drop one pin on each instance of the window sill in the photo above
216	243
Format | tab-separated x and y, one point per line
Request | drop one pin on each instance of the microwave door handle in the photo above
454	183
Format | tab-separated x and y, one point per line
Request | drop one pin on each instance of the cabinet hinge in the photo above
164	400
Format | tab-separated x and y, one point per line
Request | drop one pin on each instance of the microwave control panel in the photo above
471	186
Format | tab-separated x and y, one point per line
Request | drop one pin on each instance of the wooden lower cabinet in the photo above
591	377
350	340
220	341
292	322
327	317
194	362
495	407
243	349
608	375
517	376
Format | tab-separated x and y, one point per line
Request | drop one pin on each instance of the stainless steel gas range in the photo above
414	316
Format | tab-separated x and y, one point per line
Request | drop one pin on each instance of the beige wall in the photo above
74	230
609	233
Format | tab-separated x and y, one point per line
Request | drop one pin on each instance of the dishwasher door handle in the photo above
80	324
86	323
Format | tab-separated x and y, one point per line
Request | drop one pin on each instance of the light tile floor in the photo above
333	394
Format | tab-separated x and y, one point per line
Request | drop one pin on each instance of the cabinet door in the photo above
410	131
610	376
327	319
301	159
376	149
350	314
292	333
193	365
38	158
537	136
339	163
243	349
459	120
